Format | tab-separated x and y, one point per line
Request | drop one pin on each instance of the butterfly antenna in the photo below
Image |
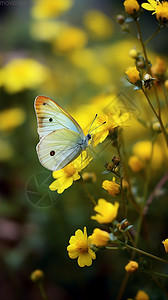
92	122
98	126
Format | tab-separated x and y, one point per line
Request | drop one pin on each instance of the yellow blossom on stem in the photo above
106	211
80	247
141	295
132	266
99	237
112	121
131	6
158	8
165	243
66	176
112	187
133	75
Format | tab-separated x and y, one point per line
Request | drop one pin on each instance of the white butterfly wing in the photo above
51	117
59	148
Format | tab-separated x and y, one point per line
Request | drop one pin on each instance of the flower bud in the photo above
99	237
120	19
156	127
133	53
37	275
123	225
165	243
141	295
116	160
140	63
109	166
131	6
132	266
133	75
125	27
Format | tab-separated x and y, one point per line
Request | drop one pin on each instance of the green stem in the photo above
42	292
147	181
123	203
148	65
88	193
123	286
143	46
131	196
165	93
153	34
158	117
155	273
144	252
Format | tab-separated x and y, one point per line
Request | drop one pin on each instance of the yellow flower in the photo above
98	24
131	6
133	74
89	176
141	295
159	8
112	187
37	275
106	211
112	120
143	150
135	163
11	118
165	243
132	266
99	237
66	176
46	30
80	247
22	73
159	68
43	9
70	39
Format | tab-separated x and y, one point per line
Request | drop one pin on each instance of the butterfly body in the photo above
61	137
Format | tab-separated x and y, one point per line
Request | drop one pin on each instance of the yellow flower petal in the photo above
147	6
84	260
153	3
79	234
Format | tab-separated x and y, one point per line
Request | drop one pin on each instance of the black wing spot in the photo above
44	103
50	119
52	153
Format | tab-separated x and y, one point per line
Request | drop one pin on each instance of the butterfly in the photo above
61	137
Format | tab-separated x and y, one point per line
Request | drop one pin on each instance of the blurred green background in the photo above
72	53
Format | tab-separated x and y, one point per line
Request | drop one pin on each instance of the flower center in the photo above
69	170
82	245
